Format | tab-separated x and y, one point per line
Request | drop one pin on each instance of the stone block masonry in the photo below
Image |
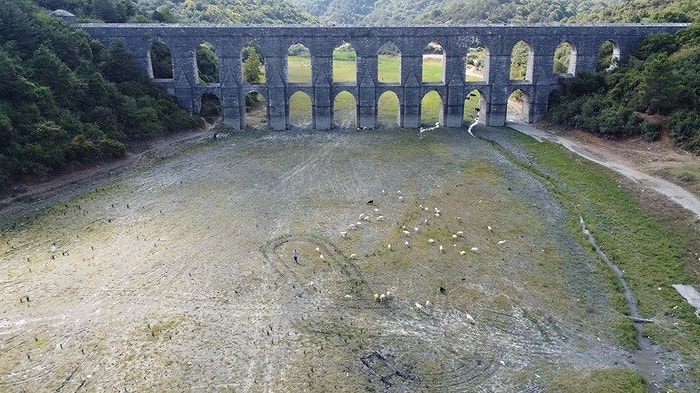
274	42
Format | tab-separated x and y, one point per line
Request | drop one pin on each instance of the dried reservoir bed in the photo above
180	276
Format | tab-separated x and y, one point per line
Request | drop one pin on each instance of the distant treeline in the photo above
181	11
659	89
66	99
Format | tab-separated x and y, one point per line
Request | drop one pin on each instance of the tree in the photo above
251	65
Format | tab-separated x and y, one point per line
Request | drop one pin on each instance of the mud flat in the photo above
180	276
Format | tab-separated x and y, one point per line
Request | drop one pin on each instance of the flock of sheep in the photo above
435	214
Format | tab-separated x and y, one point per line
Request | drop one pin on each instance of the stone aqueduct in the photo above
498	40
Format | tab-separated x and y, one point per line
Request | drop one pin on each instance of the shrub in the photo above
651	130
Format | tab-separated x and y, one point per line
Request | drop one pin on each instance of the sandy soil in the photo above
175	274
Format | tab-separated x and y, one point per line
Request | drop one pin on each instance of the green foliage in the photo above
161	61
207	63
344	52
110	11
252	65
662	78
65	98
223	11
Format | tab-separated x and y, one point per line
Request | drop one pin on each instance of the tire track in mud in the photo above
398	348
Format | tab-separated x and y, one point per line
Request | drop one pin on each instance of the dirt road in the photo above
598	152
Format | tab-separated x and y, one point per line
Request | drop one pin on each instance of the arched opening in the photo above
565	59
476	63
253	64
431	108
210	107
298	64
207	63
389	63
474	108
344	64
519	107
388	114
255	110
160	60
608	56
300	112
521	62
344	110
433	63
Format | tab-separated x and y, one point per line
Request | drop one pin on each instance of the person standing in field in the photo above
295	254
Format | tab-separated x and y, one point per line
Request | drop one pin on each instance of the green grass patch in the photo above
432	70
650	252
388	69
610	380
344	71
298	69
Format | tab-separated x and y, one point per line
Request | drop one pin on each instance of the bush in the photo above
684	127
651	130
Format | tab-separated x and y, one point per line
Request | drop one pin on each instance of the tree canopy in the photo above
66	99
658	89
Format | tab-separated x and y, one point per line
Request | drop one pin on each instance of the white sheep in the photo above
353	256
460	233
380	218
442	250
318	249
501	241
474	249
437	214
489	228
418	306
454	235
400	198
321	256
407	233
343	234
405	243
382	298
389	295
427	303
361	216
388	246
431	241
376	297
352	226
462	252
470	319
415	229
365	218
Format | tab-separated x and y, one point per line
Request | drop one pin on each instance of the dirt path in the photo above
633	159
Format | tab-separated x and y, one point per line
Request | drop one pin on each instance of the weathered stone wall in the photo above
228	41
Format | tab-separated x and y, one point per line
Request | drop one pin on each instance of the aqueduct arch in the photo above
274	42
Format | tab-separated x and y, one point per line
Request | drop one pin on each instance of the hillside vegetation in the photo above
66	99
659	89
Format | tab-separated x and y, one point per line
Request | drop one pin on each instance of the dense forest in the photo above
182	11
66	99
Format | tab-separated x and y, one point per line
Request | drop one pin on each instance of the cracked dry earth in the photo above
179	276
